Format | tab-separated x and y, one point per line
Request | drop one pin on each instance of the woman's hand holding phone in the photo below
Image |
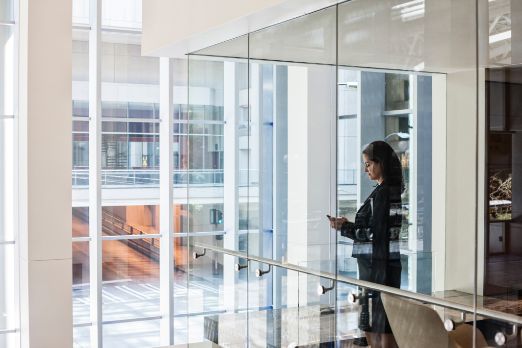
336	222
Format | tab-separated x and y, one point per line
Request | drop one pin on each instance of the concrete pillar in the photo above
44	141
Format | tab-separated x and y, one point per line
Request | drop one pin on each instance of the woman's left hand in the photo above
337	222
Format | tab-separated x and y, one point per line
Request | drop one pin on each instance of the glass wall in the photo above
372	112
326	175
499	59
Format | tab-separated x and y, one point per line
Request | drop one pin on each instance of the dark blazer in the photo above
375	232
376	228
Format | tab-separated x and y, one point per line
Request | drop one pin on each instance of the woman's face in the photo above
373	169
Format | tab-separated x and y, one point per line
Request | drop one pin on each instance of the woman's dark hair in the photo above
382	153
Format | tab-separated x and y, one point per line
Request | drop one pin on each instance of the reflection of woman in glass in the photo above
375	232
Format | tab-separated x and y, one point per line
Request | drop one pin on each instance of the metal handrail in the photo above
511	318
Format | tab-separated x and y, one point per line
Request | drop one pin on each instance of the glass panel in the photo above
82	337
181	298
500	281
297	310
131	220
215	293
114	17
6	10
407	35
7	130
8	288
234	48
9	340
80	14
80	222
292	123
80	108
130	279
206	217
133	334
7	183
310	39
404	95
130	94
7	64
81	282
8	257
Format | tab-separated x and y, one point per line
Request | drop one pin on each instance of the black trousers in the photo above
381	272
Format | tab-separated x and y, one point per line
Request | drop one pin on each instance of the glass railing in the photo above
287	305
148	177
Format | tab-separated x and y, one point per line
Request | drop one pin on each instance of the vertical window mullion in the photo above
95	209
166	201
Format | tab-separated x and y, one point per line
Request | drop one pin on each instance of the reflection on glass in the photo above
307	39
206	217
130	279
503	248
80	222
498	41
81	282
379	106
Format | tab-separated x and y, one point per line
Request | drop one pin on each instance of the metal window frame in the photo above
166	202
95	210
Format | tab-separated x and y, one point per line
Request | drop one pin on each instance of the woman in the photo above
375	232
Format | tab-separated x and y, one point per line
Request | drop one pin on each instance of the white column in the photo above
166	201
309	176
95	210
231	177
298	118
44	143
461	198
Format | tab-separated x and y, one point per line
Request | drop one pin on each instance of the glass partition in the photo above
217	191
292	141
370	112
500	240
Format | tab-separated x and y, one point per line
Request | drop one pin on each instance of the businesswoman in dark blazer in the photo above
375	232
